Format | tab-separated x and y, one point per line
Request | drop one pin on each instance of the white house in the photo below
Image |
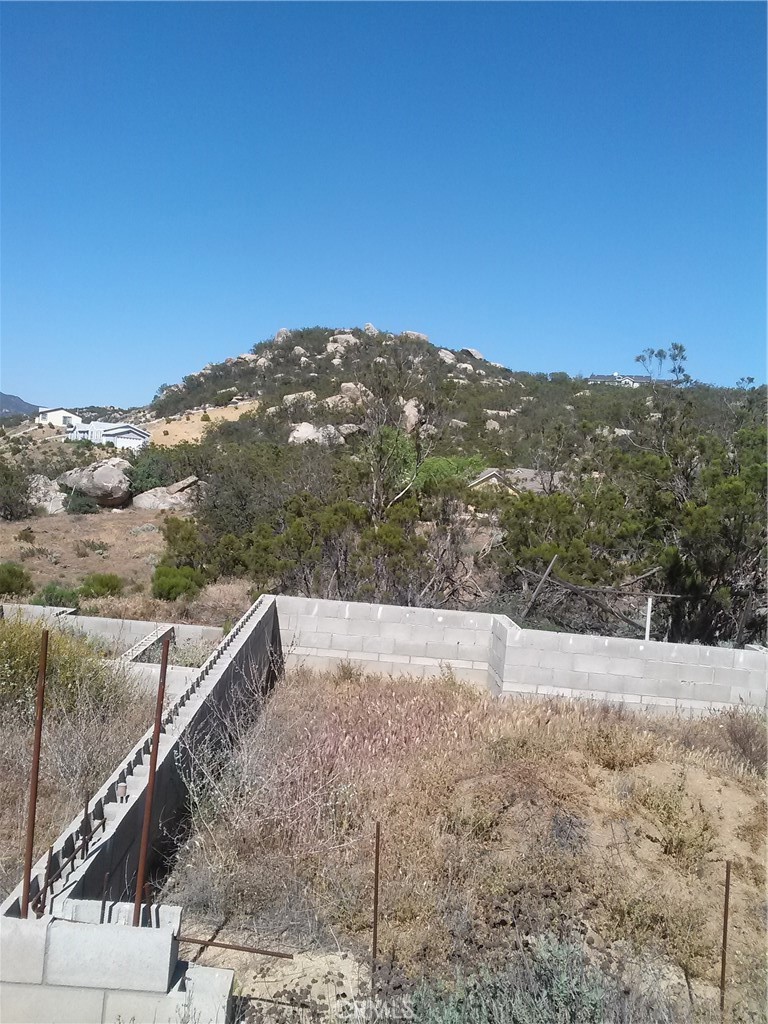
58	417
121	435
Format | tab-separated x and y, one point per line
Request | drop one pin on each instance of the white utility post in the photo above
648	619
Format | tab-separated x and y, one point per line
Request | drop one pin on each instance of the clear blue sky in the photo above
558	185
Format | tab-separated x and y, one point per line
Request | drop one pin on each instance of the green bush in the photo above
14	579
205	418
15	499
102	584
75	664
554	983
169	583
26	536
79	504
54	595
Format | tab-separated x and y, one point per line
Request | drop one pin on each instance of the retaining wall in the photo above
495	652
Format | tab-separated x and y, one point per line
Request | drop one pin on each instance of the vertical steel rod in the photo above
104	890
375	944
725	936
147	826
32	811
648	618
38	905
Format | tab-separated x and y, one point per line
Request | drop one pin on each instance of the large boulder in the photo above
307	397
105	481
447	357
370	330
411	415
45	494
356	393
303	433
162	499
415	336
306	433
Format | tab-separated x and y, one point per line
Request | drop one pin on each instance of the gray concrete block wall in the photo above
493	651
646	673
59	971
386	638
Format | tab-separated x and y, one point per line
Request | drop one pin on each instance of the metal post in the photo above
725	936
375	944
32	811
104	891
38	904
648	619
541	583
146	828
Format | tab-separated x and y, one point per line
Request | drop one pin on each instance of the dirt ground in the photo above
191	427
60	551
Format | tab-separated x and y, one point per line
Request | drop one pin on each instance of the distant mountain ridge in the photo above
12	405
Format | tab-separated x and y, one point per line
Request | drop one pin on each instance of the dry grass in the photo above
219	604
191	426
500	821
66	548
93	717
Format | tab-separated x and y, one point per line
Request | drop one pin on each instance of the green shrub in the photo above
75	664
205	418
169	583
26	536
79	504
14	579
102	584
554	983
15	499
54	595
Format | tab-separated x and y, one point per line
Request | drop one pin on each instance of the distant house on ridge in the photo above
121	435
622	380
513	481
58	417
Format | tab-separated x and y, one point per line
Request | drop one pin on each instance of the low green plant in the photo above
74	663
57	596
552	983
14	579
169	583
205	418
79	504
102	584
85	547
26	536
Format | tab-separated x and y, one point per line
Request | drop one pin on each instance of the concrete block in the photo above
634	668
378	644
531	676
210	992
322	641
515	687
154	1007
744	695
476	676
522	656
342	644
555	691
590	663
751	661
22	949
679	672
31	1004
604	683
441	651
389	613
662	702
110	956
433	663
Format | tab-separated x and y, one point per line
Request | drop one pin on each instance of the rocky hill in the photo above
311	385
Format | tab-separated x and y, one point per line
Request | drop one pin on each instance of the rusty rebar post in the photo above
85	828
724	953
375	943
232	945
147	826
104	891
32	810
